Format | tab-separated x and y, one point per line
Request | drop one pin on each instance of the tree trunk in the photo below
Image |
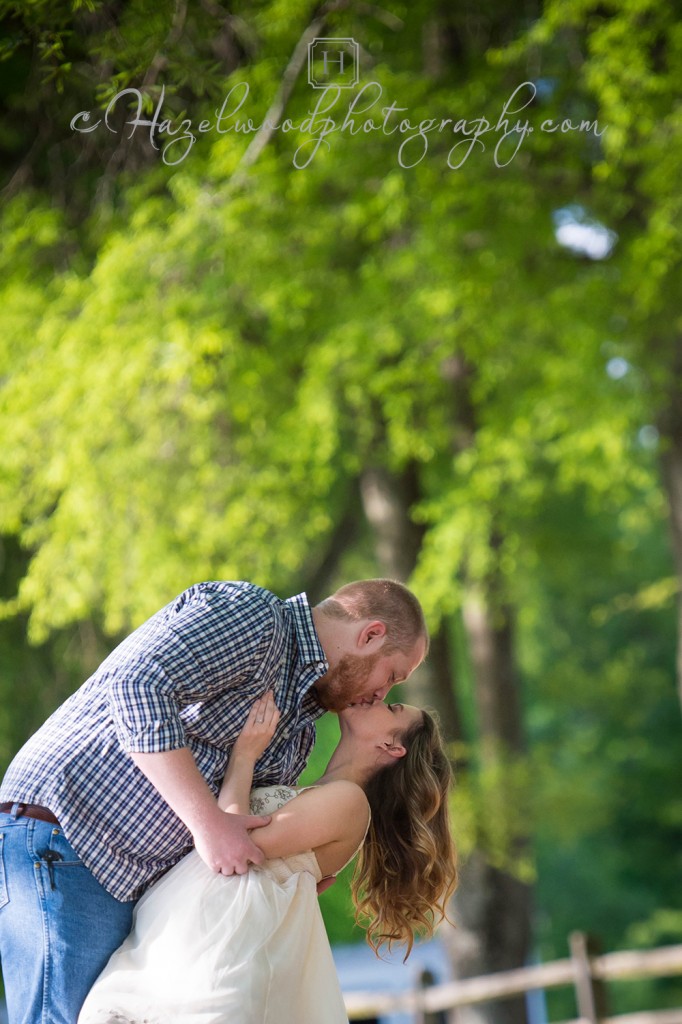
387	499
319	577
490	933
489	626
670	427
492	907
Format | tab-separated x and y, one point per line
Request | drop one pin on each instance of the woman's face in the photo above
378	723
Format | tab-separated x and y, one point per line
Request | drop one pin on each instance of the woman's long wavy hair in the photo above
407	867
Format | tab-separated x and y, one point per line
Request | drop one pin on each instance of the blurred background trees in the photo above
465	378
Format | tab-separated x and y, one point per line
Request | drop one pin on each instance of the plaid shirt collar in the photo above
310	653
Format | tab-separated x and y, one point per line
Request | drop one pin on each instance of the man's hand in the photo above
223	842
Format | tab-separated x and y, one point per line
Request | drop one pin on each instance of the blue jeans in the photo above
58	925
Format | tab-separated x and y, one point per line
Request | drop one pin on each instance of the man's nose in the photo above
381	692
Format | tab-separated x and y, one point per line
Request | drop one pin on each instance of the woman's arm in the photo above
257	732
334	814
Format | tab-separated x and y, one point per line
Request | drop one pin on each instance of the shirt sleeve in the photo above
211	639
145	710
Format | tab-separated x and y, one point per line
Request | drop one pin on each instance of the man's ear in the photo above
371	636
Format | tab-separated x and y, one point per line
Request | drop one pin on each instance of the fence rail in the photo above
584	970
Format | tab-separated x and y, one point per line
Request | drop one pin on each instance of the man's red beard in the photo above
346	682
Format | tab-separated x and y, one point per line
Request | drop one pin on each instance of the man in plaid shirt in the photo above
122	780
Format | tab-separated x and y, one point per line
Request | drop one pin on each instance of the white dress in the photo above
207	948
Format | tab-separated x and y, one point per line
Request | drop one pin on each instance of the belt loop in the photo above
16	810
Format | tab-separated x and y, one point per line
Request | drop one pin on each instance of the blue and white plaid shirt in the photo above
187	677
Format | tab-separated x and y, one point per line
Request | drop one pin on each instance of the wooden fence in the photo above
586	972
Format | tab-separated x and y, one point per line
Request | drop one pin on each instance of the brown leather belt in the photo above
30	811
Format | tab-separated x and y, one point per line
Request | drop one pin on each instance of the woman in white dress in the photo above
206	948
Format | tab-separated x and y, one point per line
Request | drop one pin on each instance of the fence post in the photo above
590	992
425	979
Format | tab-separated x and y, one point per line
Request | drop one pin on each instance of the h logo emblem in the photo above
333	62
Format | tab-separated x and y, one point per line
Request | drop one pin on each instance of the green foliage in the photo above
491	812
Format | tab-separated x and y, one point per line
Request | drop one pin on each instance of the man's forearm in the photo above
175	775
221	840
